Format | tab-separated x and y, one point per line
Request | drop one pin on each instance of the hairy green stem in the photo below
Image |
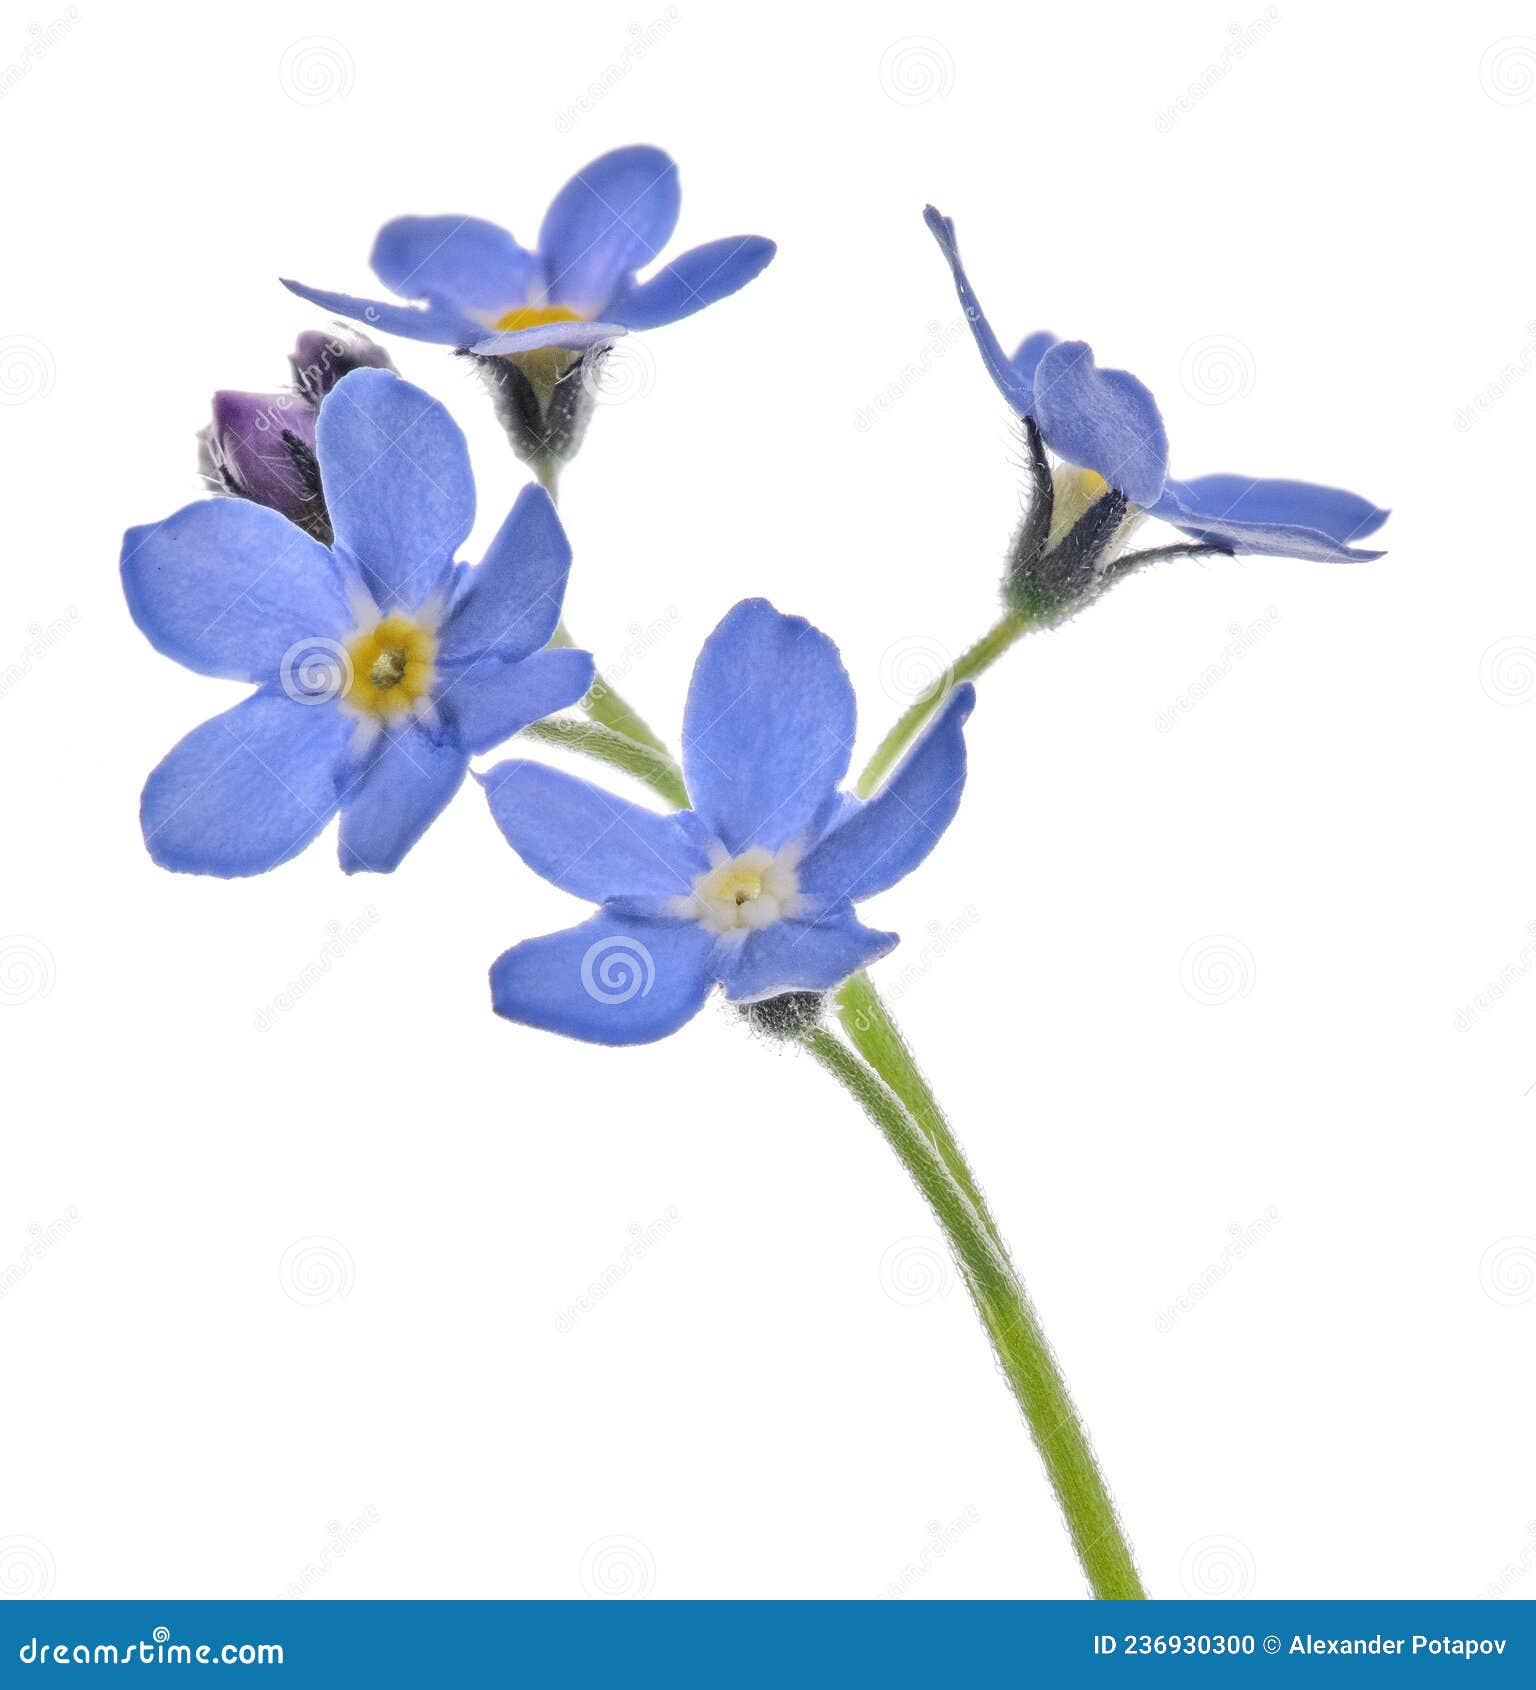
618	751
967	666
877	1038
605	705
1011	1324
891	1088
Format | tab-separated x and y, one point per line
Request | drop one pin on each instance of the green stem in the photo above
1011	1324
877	1038
891	1089
603	703
592	739
981	656
547	472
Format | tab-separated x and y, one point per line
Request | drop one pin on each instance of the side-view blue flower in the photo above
479	290
754	887
1108	423
381	664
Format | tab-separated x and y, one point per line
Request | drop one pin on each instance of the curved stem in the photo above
1011	1324
891	1089
877	1038
618	751
967	666
604	704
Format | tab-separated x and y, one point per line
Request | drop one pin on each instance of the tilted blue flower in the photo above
754	887
381	664
1106	421
479	290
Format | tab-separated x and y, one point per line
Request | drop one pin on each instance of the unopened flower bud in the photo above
320	358
261	446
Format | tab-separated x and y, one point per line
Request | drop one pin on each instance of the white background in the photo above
1185	976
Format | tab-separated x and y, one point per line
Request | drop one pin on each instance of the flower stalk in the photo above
1010	1321
618	751
606	706
1007	631
883	1077
877	1038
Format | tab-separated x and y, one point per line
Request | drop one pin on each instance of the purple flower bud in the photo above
321	358
261	446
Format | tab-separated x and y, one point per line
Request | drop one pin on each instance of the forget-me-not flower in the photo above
480	291
381	664
1106	428
755	886
532	318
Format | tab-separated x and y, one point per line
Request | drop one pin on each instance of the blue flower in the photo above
1107	423
381	665
480	291
754	887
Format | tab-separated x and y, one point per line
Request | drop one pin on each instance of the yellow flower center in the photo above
535	317
391	666
738	884
1074	492
751	891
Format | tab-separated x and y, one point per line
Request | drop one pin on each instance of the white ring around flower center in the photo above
747	892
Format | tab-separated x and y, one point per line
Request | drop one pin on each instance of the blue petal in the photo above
509	605
1334	511
615	980
768	727
575	337
690	282
885	839
1026	360
248	789
461	261
440	324
608	220
231	588
1017	388
1277	518
397	483
1103	420
586	841
491	699
800	956
401	789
